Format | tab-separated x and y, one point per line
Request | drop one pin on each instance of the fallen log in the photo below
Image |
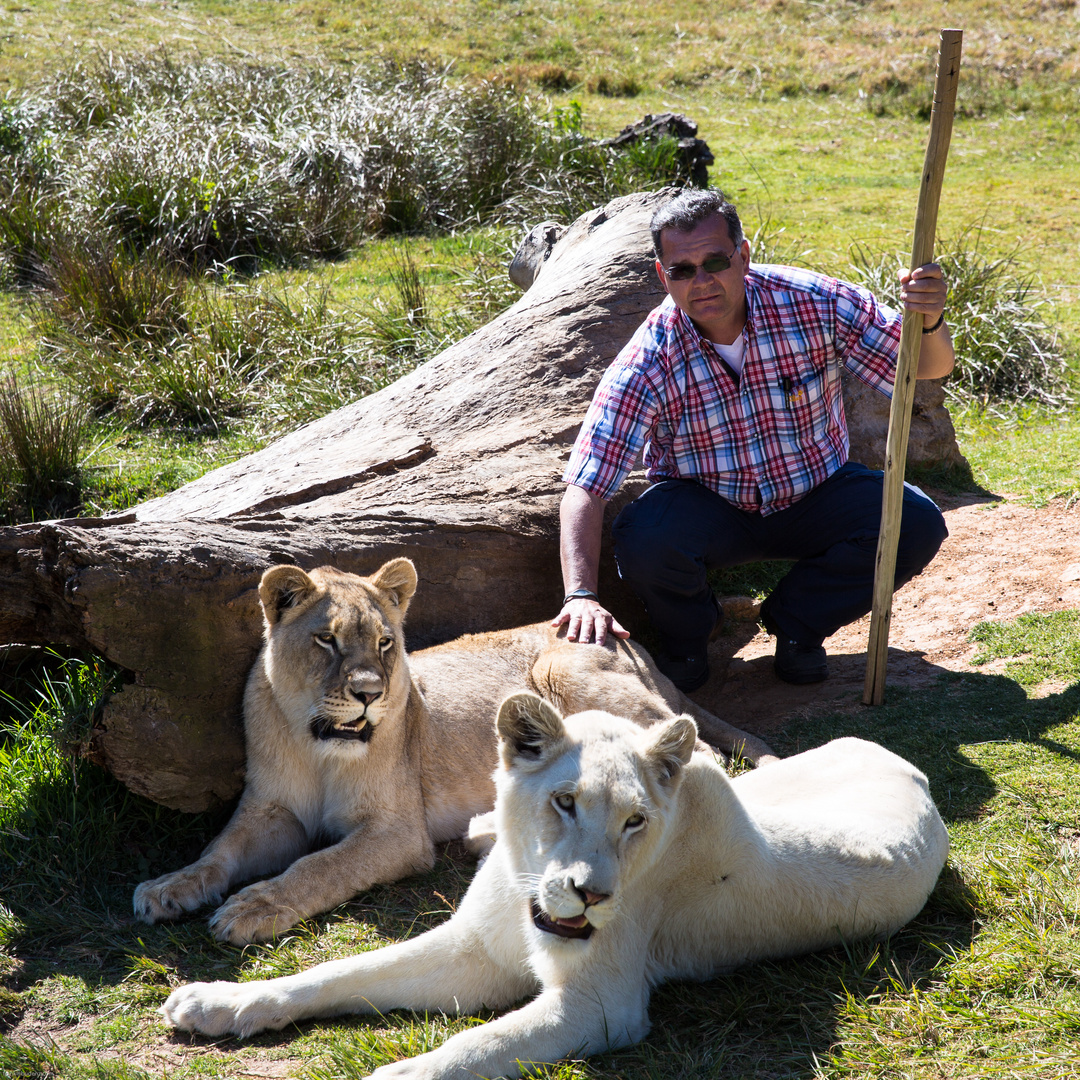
456	465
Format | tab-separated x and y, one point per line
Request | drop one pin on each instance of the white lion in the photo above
623	860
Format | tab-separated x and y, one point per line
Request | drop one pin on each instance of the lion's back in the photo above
841	842
462	683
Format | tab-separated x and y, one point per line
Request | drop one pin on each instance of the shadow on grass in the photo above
932	724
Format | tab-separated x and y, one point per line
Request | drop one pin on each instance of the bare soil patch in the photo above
1001	560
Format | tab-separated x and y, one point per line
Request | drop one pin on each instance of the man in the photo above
731	387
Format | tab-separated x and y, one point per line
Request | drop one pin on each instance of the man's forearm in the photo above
581	517
936	354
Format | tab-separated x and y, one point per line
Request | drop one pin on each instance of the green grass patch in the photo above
1014	53
1049	644
1032	454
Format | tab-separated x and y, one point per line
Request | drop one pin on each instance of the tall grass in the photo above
404	325
148	346
1006	351
42	438
197	354
206	162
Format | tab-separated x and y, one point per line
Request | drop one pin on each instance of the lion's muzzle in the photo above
325	727
577	927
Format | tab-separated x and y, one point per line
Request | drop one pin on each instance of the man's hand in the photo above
585	619
924	289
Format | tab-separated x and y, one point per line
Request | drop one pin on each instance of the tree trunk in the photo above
456	465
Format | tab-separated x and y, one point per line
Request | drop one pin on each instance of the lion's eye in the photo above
564	802
634	821
385	643
325	638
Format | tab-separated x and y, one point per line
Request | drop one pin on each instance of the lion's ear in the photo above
398	578
670	748
527	726
281	588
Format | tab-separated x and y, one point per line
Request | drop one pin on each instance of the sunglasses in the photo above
713	264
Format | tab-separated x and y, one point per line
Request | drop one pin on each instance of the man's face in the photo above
715	301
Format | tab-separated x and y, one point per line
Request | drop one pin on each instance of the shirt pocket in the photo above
801	401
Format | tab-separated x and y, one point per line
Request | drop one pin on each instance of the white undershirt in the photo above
733	354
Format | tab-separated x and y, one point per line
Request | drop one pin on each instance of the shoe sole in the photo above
801	678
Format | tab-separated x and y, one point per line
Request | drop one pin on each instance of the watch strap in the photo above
580	594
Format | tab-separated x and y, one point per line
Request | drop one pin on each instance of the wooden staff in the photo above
922	252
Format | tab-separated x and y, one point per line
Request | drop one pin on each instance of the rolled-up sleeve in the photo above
867	337
618	423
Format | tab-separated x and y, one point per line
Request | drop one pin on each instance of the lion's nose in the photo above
364	688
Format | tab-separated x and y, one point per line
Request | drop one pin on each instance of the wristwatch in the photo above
580	594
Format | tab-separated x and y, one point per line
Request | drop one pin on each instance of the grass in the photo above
1029	453
1056	659
1006	351
812	50
815	113
42	436
987	978
207	162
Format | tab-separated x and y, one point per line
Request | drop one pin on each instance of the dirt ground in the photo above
1001	560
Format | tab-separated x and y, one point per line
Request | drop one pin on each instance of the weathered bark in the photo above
456	465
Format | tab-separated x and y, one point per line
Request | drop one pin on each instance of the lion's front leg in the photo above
259	839
448	969
370	855
559	1023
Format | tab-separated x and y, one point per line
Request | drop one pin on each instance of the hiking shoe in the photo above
688	673
798	663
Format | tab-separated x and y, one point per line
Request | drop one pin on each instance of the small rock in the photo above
742	608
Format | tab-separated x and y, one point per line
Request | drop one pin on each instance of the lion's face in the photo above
584	804
335	650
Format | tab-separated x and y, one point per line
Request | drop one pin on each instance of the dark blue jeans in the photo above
667	538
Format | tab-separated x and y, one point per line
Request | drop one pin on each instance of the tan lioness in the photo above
622	859
353	744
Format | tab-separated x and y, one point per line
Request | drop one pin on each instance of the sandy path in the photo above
1001	559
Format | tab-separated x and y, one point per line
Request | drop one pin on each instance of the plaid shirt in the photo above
764	440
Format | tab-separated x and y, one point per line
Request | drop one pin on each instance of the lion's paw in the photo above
222	1008
253	914
172	895
424	1067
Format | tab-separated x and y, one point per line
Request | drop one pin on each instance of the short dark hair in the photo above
689	209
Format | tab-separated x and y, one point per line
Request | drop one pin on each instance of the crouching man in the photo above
731	391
